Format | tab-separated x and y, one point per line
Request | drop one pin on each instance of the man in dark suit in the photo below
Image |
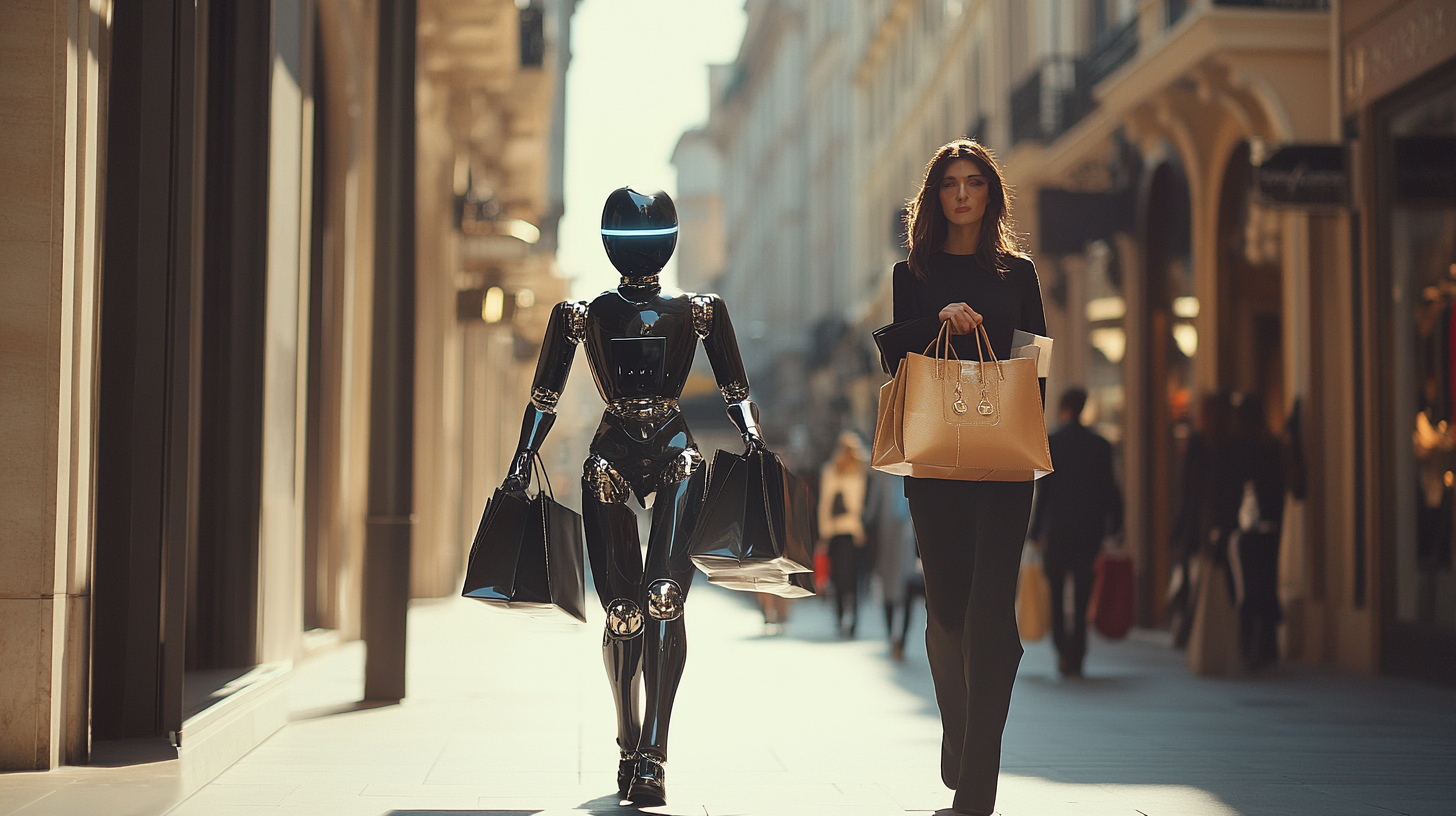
1076	507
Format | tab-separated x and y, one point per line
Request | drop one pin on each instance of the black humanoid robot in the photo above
640	342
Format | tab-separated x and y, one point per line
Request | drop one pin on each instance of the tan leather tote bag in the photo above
946	418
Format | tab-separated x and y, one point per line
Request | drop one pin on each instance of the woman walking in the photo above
964	269
897	563
841	508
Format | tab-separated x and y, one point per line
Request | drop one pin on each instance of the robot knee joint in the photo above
624	619
664	600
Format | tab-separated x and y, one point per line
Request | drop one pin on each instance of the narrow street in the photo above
509	717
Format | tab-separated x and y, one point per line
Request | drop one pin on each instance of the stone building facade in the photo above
1133	131
231	226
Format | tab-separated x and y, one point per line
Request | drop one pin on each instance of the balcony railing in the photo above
1111	53
1026	109
1173	11
1036	104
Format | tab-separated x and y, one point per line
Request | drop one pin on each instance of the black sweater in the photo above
1007	303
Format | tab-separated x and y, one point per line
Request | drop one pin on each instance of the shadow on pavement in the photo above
601	806
342	708
1140	728
463	812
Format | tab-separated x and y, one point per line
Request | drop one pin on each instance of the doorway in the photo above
1171	341
1250	291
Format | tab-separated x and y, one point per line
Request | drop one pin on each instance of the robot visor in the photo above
638	233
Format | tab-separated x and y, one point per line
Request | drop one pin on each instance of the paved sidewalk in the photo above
509	717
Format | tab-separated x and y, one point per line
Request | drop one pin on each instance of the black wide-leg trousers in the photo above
1079	561
970	536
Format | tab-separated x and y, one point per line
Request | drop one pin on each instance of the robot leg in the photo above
668	576
616	561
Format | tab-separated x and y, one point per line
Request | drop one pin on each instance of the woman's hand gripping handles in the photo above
962	318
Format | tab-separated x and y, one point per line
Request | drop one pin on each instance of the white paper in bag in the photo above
1033	347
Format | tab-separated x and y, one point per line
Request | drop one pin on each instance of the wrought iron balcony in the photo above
1110	53
1026	121
1036	104
1173	11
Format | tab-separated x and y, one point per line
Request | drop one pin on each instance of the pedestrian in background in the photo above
1255	463
965	269
1076	507
889	533
1191	530
841	526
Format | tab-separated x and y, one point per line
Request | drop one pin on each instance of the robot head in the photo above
639	231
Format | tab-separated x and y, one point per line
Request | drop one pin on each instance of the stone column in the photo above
52	92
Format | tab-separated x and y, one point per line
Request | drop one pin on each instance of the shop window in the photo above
1421	253
1107	336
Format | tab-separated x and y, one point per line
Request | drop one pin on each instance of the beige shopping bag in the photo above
1033	602
1213	643
946	418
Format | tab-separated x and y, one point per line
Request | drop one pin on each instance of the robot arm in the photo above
564	333
715	329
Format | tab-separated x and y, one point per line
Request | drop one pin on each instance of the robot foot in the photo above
626	770
649	783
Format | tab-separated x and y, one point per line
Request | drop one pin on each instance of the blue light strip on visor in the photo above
628	233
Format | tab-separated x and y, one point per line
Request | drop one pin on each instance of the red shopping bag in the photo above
1111	609
821	568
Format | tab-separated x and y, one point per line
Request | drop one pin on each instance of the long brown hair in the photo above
927	227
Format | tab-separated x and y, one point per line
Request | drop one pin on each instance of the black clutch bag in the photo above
527	555
898	339
753	534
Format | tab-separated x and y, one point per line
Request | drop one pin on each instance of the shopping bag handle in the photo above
942	336
944	352
545	479
983	336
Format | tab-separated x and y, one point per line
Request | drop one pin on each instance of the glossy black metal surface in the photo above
640	342
527	556
639	231
754	530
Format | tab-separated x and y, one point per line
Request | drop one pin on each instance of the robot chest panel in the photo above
640	350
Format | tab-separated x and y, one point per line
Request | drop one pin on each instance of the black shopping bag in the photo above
753	533
793	585
527	555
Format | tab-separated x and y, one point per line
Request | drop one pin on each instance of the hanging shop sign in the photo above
1307	175
1070	219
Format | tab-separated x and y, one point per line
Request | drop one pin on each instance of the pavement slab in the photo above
509	716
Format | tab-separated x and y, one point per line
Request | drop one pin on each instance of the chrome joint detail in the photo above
702	316
545	399
603	481
624	619
685	465
647	282
575	314
734	392
648	409
664	600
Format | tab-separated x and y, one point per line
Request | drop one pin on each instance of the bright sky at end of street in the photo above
638	79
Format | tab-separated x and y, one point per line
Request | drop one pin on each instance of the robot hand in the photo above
744	415
518	478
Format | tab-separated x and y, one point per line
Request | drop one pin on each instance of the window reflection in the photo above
1107	337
